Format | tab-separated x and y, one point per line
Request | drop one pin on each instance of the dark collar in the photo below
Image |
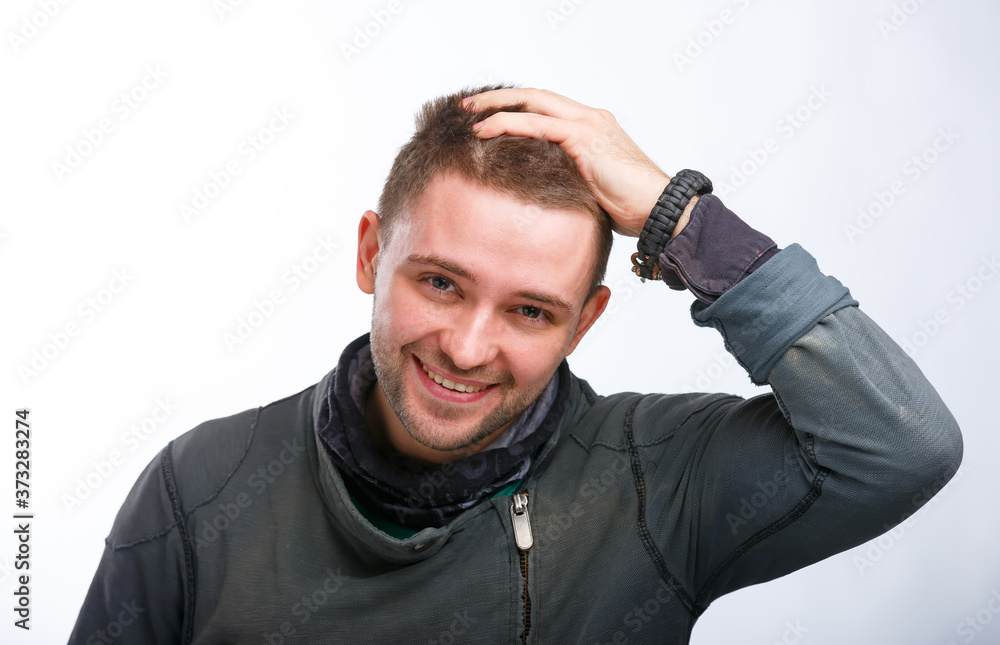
410	492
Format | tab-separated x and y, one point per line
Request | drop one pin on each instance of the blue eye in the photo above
444	284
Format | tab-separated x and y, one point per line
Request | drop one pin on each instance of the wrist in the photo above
662	223
649	195
685	217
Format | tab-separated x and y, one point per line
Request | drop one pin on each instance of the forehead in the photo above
500	240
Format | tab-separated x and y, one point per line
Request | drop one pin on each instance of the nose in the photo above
471	338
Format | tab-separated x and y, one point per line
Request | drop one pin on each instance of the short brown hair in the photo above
532	170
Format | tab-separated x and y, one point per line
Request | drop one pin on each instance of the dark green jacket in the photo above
643	509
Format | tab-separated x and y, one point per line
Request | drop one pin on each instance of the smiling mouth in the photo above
451	385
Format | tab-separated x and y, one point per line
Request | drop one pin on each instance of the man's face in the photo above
478	297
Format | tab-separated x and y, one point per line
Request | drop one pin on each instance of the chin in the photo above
443	439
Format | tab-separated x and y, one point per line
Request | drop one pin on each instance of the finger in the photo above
525	124
541	102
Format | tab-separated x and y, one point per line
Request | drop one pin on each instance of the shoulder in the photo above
196	466
615	419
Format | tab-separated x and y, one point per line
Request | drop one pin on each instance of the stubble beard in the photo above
390	370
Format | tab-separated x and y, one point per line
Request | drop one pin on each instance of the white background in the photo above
888	89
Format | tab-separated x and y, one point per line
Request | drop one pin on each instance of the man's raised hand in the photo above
625	181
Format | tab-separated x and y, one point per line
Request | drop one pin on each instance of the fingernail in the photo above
478	126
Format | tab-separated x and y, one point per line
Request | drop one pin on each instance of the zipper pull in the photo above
519	517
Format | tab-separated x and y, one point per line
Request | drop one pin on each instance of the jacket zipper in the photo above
522	535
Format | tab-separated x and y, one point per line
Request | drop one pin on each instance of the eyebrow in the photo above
549	299
416	258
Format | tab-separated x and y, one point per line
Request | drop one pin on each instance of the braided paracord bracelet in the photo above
663	219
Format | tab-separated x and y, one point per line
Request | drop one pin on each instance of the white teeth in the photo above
458	387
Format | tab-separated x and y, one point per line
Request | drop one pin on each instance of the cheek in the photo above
534	363
402	313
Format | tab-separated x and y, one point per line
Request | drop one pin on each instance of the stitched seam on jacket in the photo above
148	538
810	438
715	399
649	444
579	442
239	462
670	435
209	498
644	534
717	323
167	466
798	511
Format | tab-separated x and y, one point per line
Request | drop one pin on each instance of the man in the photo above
451	480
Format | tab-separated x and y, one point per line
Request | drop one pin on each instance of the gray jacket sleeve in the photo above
137	595
144	588
852	441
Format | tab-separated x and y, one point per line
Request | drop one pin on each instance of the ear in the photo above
592	310
368	246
